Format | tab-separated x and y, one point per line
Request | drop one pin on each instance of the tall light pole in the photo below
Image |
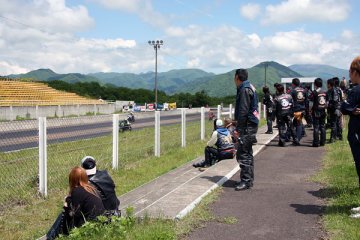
156	44
266	65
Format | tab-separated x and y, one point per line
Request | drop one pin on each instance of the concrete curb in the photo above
192	205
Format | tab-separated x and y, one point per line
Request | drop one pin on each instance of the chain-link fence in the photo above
18	168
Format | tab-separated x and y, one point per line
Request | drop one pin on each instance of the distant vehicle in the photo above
131	117
124	125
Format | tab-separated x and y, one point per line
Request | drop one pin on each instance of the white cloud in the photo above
193	63
250	11
10	68
307	10
217	48
142	8
347	34
46	15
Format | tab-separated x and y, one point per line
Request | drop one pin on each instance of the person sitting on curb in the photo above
219	147
104	184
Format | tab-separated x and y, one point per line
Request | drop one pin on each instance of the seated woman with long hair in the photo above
82	204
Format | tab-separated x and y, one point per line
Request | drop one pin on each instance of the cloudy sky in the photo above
89	36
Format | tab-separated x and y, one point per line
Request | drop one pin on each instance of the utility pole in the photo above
156	44
266	65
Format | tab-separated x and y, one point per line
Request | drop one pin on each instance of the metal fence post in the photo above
37	111
218	111
157	134
202	125
259	107
42	157
264	111
183	127
11	113
230	111
115	160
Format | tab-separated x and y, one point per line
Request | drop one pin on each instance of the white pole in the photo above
157	134
42	156
11	113
259	107
37	111
183	127
230	111
264	110
202	124
115	161
218	111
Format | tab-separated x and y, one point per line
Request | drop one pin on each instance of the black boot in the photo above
199	164
242	186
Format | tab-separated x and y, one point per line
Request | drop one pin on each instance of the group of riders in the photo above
319	107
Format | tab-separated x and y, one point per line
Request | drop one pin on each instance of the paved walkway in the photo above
176	193
282	204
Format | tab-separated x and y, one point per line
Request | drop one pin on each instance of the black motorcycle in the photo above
131	117
124	125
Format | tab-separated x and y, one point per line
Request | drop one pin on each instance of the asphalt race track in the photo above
23	139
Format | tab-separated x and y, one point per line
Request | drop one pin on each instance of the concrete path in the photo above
282	203
176	193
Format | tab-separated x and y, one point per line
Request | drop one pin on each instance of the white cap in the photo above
219	123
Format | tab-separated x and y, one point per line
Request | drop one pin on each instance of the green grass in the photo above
341	191
25	215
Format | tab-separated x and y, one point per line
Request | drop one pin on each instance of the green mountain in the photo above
167	81
318	70
174	81
49	75
40	74
223	84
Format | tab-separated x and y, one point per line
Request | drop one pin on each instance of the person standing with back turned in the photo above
247	117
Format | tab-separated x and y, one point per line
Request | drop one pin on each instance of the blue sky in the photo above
217	36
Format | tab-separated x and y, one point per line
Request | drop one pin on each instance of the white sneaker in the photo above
355	215
355	210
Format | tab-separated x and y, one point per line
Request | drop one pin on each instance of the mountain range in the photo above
192	80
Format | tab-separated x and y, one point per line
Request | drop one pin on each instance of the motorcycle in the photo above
131	117
124	125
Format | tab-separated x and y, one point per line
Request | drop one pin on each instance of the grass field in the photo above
25	215
341	191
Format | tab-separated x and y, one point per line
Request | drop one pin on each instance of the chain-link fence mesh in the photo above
170	132
69	140
136	144
18	162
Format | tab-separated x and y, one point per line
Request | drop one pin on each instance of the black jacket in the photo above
333	99
82	206
106	186
283	105
245	98
268	101
347	107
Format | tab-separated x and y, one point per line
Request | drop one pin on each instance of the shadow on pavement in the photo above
308	209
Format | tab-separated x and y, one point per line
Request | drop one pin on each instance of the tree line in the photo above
110	92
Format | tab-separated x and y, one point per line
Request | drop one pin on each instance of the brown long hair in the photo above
77	178
355	65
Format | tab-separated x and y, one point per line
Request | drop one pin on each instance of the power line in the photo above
23	24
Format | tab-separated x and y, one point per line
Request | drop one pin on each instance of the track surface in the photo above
17	140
